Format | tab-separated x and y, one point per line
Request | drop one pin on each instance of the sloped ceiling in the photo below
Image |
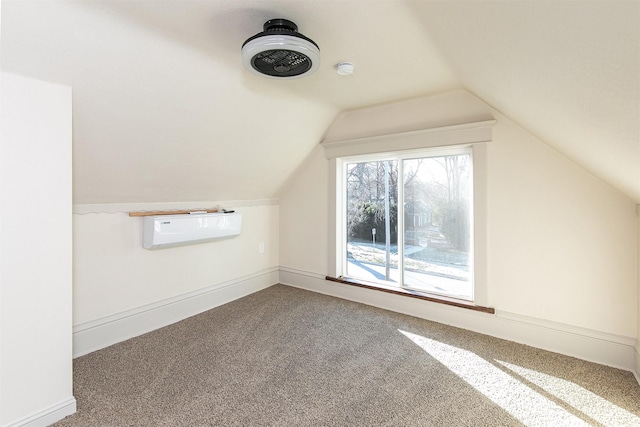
165	112
567	71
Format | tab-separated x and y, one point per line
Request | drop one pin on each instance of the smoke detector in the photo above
280	51
344	68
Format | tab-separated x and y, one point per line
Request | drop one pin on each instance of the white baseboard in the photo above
595	346
106	331
47	416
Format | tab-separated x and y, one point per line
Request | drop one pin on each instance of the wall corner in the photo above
636	371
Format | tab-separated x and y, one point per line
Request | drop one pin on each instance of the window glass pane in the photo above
372	220
437	225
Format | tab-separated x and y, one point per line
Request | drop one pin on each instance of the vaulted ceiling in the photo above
165	112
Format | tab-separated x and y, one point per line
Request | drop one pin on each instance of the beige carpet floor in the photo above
289	357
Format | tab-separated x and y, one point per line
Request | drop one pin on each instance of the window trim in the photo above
474	135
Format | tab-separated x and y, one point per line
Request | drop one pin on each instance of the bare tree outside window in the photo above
372	212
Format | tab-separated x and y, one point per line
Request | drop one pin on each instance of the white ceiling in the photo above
165	112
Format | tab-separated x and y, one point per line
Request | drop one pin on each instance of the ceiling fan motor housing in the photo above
280	51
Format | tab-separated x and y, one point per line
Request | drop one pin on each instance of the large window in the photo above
407	221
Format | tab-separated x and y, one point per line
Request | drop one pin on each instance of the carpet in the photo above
290	357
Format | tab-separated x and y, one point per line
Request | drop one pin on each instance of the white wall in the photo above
117	281
562	245
304	216
637	354
35	244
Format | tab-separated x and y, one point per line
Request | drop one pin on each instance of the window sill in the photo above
413	294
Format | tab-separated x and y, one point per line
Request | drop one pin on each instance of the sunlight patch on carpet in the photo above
579	397
519	400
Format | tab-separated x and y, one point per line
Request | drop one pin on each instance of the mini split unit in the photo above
166	231
280	51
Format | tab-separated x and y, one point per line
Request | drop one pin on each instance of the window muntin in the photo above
429	247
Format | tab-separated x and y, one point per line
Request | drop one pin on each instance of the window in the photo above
434	181
408	219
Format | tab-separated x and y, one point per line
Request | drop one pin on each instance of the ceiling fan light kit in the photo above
280	51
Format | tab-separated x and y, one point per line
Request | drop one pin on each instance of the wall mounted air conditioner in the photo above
165	231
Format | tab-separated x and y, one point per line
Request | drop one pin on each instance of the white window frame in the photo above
400	157
471	135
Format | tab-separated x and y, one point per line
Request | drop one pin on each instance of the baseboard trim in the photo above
106	331
303	273
595	346
569	329
47	416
